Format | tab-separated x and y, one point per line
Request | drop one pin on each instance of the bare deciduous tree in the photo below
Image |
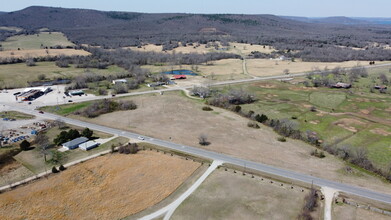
203	140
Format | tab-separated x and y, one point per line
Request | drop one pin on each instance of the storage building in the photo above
88	145
74	143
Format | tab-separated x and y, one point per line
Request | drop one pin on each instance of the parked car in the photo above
141	138
70	101
41	112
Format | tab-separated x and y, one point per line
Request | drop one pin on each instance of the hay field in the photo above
6	28
245	49
109	187
36	41
17	75
226	195
348	212
42	53
267	67
222	69
237	48
176	116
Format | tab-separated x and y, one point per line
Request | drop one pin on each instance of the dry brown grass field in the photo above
108	187
246	49
175	116
267	67
220	67
42	53
237	48
226	195
348	212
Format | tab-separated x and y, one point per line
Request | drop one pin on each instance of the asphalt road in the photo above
378	196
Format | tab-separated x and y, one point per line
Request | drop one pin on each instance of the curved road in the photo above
224	158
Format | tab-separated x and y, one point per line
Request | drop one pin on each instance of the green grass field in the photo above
342	117
36	41
16	115
17	75
327	100
66	109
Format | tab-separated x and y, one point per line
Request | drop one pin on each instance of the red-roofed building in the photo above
179	77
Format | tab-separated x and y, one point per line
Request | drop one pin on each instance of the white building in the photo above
119	81
88	145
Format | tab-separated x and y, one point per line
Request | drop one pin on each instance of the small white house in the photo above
119	81
88	145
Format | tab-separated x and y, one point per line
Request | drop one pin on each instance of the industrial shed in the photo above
74	143
88	145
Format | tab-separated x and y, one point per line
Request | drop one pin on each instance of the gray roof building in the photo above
75	143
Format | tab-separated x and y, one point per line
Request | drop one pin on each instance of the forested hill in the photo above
118	29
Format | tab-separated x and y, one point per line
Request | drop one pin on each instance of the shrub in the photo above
252	124
25	145
317	153
294	117
106	106
261	118
54	170
62	168
203	140
281	139
102	91
207	108
130	148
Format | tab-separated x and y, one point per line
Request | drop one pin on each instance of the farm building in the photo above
33	93
76	92
74	143
341	85
179	77
88	145
156	84
119	81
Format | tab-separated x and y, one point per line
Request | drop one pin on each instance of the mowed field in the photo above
36	41
226	195
237	48
17	75
220	70
174	117
348	212
42	53
26	46
267	67
355	119
109	187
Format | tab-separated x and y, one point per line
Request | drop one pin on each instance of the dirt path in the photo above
329	194
169	209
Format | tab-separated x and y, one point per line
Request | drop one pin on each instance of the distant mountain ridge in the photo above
118	29
341	20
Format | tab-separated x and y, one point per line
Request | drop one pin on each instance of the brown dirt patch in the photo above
380	132
367	111
109	187
350	121
348	124
314	122
267	86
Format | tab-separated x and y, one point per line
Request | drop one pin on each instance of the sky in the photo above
306	8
